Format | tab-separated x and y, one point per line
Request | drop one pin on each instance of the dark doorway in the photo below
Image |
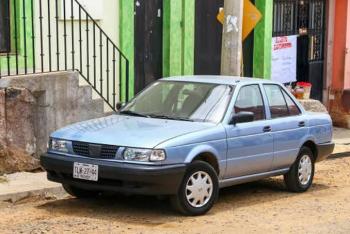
304	18
148	42
248	55
5	26
208	37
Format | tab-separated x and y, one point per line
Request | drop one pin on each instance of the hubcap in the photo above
199	189
305	170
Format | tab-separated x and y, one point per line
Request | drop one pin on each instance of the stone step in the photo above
108	113
85	92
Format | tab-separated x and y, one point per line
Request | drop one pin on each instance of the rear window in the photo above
292	107
277	102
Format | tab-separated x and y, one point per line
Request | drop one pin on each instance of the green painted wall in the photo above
188	37
127	41
178	38
263	40
22	33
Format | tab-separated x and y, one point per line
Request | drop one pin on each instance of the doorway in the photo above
208	37
305	18
148	42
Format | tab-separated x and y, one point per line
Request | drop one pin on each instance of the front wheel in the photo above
198	191
301	174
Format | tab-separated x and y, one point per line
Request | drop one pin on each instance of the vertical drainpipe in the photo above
263	40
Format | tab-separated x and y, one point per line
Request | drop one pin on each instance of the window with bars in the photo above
5	45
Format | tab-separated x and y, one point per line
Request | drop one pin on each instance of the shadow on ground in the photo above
152	211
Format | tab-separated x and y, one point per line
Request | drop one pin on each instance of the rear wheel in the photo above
80	193
301	174
198	191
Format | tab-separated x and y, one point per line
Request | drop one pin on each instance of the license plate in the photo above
85	171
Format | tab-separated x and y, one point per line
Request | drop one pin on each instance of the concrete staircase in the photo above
34	106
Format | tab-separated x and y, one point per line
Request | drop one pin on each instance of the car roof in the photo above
216	79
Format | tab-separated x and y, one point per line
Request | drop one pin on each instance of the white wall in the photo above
107	12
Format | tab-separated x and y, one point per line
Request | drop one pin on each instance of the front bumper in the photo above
324	150
116	176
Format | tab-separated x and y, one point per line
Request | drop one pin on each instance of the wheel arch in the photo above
206	154
313	147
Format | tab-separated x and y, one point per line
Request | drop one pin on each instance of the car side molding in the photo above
250	178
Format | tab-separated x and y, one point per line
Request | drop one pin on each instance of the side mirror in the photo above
242	117
119	105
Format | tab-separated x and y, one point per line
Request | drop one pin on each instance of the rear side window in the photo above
292	107
250	100
277	102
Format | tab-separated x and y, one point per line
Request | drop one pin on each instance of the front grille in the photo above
94	150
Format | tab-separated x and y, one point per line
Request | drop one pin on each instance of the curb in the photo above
56	192
339	155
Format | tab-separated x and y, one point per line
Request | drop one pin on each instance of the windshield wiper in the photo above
133	113
170	117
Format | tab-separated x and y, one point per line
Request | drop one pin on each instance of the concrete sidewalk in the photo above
19	186
341	139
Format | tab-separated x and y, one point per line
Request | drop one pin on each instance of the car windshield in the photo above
187	101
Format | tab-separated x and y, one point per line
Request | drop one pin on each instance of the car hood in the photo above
129	131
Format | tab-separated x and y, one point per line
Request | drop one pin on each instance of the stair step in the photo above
85	92
91	109
108	113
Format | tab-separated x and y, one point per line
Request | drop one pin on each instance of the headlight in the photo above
144	155
58	145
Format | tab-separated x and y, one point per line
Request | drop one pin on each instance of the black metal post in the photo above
25	38
65	34
107	70
49	33
87	49
72	30
16	34
57	38
80	42
33	34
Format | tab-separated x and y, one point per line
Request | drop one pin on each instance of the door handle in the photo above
267	129
301	124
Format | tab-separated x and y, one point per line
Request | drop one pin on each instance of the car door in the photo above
250	145
288	126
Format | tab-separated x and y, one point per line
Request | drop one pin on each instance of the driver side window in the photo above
250	99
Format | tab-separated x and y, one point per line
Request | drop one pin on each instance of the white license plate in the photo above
85	171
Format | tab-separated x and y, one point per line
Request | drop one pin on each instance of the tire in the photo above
207	190
299	178
79	193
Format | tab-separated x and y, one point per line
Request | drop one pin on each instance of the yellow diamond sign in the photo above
251	17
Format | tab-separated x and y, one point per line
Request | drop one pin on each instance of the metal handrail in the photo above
45	41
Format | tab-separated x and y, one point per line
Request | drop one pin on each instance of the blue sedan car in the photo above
187	137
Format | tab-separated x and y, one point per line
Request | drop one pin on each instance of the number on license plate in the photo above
85	171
